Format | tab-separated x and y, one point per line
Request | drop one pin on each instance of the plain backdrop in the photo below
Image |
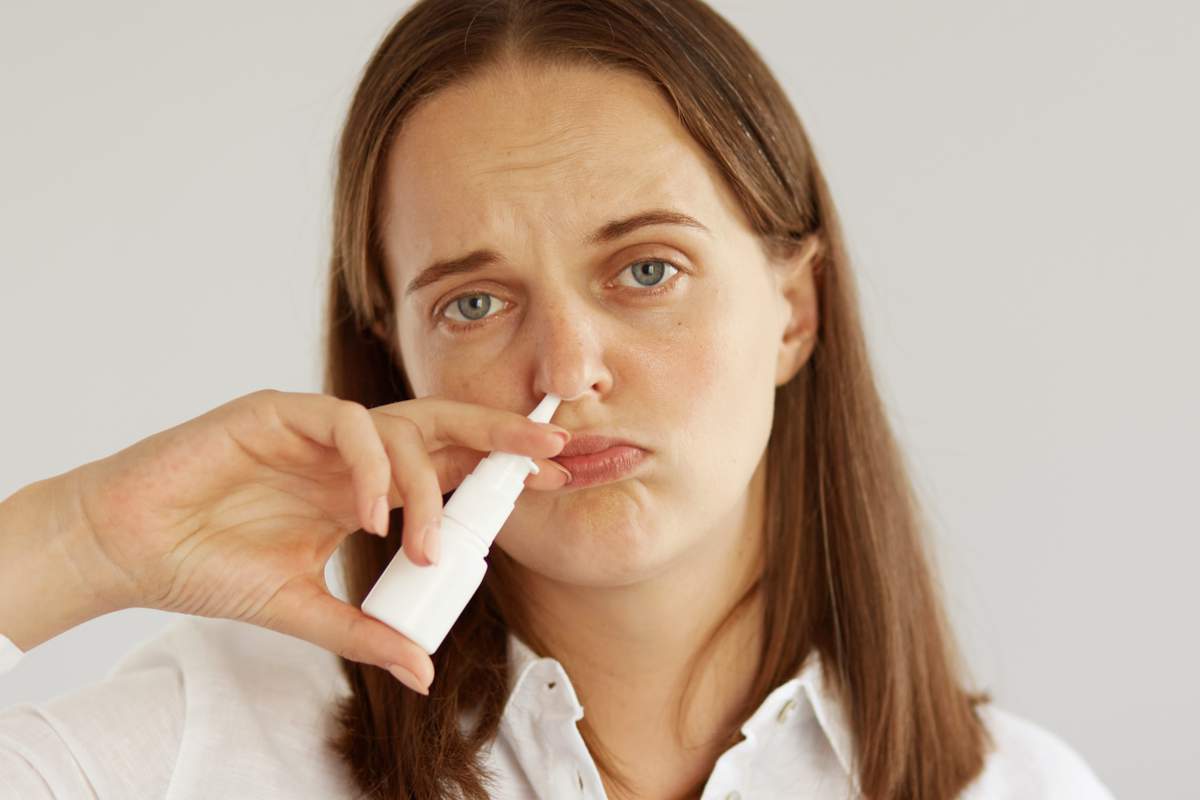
1018	183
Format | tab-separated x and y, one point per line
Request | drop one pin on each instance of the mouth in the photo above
593	460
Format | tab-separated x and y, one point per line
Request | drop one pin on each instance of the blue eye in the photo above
475	306
653	275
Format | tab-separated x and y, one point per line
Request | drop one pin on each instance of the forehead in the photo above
562	149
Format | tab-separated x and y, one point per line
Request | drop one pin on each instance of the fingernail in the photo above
379	515
432	546
566	472
560	432
407	678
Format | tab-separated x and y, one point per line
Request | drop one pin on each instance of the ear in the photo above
796	283
381	333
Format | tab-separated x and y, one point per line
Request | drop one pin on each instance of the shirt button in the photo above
733	796
786	711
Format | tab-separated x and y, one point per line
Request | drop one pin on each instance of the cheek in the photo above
448	379
683	365
680	371
711	384
435	368
708	363
470	377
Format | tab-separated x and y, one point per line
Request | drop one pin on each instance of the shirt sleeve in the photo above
116	738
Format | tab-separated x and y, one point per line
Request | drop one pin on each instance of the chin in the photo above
592	571
594	540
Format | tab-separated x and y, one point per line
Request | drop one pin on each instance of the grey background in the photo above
1018	184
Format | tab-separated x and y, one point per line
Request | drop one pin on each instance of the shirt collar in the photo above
530	675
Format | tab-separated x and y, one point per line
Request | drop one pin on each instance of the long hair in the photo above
847	574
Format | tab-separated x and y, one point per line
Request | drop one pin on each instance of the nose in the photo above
570	350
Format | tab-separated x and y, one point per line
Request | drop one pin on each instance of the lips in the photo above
591	443
593	459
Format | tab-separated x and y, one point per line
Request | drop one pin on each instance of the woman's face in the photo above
668	335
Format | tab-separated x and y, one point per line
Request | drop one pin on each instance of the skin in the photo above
626	578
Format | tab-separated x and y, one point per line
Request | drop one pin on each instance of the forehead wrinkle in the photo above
581	153
566	174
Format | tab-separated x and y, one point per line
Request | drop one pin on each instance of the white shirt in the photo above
215	708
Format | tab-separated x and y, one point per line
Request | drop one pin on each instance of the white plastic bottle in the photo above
423	602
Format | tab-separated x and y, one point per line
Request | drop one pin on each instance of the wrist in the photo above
46	584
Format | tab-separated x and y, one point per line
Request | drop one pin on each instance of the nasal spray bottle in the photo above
422	602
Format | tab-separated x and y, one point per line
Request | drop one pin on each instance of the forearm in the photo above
45	588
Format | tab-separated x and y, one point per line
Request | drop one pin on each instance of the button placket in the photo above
551	685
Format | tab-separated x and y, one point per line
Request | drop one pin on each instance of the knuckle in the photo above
352	411
408	427
262	395
252	402
263	407
347	645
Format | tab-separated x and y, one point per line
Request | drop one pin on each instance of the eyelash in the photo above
667	285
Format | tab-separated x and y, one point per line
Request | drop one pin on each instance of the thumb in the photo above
305	609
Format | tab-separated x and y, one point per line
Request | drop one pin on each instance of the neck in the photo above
630	651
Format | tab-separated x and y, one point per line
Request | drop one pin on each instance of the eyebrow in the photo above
609	232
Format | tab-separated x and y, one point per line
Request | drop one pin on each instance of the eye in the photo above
474	307
651	272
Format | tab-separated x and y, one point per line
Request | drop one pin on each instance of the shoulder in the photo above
221	655
1028	761
200	692
118	738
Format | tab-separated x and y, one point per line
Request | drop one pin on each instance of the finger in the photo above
453	465
445	422
306	610
552	475
348	427
415	479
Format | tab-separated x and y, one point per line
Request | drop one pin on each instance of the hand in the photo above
235	513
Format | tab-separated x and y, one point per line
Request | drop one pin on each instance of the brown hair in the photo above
847	574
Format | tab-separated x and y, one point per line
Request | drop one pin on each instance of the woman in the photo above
613	202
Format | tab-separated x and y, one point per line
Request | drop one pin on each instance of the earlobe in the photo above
381	329
383	335
380	332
